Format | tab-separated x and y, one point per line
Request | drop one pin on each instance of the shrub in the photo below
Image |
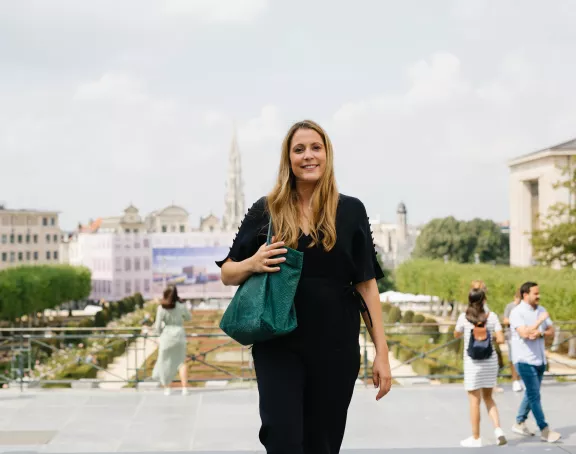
386	307
451	281
395	315
31	289
418	318
408	317
422	367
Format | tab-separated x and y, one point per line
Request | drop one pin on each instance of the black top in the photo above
352	260
325	301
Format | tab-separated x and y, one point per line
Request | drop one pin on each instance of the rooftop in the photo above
567	148
407	421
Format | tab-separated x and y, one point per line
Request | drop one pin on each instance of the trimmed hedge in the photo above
30	289
451	281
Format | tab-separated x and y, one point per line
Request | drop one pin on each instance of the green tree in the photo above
387	282
555	241
461	241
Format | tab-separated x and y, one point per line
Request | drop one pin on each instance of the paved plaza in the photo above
410	420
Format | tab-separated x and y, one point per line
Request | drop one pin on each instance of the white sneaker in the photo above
517	386
550	436
500	437
471	442
166	391
522	429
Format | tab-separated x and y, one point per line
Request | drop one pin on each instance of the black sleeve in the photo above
251	234
366	265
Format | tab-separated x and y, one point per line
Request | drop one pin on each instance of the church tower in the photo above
234	208
402	223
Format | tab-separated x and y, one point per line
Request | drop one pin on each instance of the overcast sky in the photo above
110	102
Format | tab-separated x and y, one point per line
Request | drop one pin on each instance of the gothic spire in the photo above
234	202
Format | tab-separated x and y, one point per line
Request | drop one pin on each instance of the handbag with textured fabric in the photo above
263	306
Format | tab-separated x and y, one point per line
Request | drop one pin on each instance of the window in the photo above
53	221
164	229
47	238
35	239
146	263
137	286
146	243
55	238
47	255
182	228
4	256
126	230
127	264
28	255
55	255
35	255
12	257
44	221
136	230
128	287
173	228
20	256
28	239
118	287
11	238
146	285
20	239
136	265
4	238
118	264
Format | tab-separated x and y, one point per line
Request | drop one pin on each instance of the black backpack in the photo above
480	344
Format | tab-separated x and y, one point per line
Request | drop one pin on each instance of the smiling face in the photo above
307	156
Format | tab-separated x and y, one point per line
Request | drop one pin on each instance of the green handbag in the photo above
263	306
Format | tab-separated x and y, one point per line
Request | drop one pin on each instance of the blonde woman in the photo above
306	378
170	318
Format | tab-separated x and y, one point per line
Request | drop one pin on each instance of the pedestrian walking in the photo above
169	323
517	384
481	330
530	324
306	378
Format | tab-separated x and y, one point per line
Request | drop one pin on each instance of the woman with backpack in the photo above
481	329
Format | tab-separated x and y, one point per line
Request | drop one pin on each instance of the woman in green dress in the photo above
170	318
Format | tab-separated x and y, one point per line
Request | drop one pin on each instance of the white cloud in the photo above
466	9
265	127
214	118
218	10
113	86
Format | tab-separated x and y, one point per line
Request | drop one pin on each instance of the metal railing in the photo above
44	357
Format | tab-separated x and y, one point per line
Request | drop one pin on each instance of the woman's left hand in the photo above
381	375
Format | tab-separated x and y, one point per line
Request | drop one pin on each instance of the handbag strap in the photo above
269	235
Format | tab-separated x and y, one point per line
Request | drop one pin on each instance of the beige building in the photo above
395	242
28	237
172	219
531	194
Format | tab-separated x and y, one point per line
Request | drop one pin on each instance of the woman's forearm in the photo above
235	273
369	291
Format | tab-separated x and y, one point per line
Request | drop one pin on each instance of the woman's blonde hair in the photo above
283	199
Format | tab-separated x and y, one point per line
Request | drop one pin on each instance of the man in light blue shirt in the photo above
529	325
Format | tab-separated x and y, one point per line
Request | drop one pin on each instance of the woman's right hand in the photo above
265	260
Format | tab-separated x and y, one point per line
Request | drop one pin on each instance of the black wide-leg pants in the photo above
304	396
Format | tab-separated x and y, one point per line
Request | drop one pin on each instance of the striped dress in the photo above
479	374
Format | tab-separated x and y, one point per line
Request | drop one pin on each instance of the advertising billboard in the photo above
192	270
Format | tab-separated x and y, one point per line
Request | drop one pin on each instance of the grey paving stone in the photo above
25	437
417	420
